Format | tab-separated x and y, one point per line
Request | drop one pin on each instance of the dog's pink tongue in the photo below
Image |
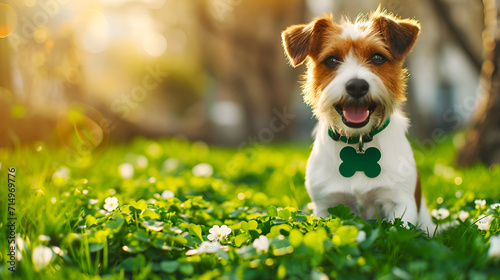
356	114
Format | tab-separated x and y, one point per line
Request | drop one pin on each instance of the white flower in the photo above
484	222
203	170
261	244
126	170
151	201
61	176
209	247
111	203
42	255
171	164
20	242
494	251
440	214
361	236
45	238
142	162
495	205
480	202
463	215
167	194
218	233
62	172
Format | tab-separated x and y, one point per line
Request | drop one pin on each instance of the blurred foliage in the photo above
211	70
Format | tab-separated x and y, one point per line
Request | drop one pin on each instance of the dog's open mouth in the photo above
355	115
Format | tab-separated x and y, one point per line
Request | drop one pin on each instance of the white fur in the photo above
352	68
390	195
353	31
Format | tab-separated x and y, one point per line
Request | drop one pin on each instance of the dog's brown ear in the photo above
399	34
300	40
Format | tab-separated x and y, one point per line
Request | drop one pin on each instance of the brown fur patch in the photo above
303	40
418	193
400	35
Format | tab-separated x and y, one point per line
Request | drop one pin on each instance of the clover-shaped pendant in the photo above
353	161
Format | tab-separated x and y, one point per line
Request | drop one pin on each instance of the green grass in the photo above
60	196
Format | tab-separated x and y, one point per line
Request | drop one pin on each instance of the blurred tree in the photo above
483	139
246	58
5	77
455	31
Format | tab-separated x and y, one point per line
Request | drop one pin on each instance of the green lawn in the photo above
171	193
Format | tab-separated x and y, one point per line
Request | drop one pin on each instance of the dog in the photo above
355	84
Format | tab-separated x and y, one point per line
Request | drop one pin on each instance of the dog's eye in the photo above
331	62
378	59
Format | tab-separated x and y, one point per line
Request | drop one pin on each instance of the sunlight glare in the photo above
92	31
154	44
7	20
154	4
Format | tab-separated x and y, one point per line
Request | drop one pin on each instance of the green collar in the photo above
355	140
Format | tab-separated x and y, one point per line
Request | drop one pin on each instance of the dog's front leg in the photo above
333	199
404	208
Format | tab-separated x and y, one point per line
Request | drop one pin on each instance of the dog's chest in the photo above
359	175
324	172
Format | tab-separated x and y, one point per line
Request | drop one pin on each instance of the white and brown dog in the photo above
355	84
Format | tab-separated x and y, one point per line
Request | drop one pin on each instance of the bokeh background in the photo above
87	73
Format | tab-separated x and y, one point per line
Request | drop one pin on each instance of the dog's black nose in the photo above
357	88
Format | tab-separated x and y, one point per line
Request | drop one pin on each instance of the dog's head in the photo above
355	76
